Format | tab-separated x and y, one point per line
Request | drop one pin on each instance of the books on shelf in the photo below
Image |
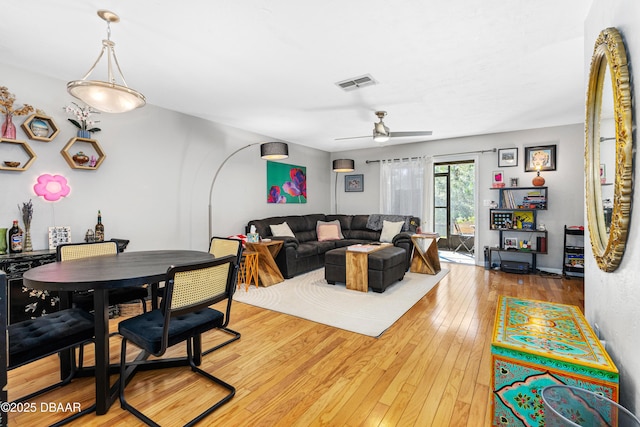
535	199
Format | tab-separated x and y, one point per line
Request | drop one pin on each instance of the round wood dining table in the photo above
101	273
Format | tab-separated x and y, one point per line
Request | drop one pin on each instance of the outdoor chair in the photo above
466	240
183	316
34	339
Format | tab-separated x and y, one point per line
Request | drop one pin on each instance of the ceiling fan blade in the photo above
352	137
414	133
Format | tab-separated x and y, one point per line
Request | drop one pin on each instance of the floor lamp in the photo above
341	165
268	151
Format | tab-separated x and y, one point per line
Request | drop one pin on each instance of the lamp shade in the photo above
343	165
274	150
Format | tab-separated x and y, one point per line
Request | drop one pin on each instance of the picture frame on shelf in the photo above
542	157
507	157
354	183
497	179
59	236
510	243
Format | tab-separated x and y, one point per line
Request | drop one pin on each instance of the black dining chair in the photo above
34	339
221	247
84	300
183	316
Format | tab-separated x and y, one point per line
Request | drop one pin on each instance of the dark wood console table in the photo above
27	303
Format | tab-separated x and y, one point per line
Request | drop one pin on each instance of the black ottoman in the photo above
386	266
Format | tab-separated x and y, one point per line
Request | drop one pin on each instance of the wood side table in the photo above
425	254
357	266
268	271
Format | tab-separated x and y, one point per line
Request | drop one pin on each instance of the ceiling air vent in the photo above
356	82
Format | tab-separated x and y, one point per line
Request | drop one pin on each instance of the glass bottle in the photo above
99	235
15	238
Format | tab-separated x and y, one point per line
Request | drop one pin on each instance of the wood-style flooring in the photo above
431	368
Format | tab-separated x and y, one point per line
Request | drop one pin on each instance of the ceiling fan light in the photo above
380	138
343	165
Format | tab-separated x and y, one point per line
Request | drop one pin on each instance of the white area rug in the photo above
310	297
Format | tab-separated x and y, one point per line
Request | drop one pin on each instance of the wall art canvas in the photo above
540	158
286	183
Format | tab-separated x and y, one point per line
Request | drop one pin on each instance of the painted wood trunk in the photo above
537	344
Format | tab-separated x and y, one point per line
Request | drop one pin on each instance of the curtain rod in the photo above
493	150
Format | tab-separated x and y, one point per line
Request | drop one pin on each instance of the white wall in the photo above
612	299
566	185
153	186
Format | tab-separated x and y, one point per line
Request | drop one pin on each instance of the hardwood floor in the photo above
431	368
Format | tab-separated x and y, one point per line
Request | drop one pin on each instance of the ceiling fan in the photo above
381	132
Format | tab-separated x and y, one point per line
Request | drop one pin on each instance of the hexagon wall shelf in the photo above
40	127
26	148
83	142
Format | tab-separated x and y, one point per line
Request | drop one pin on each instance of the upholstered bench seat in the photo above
386	266
35	338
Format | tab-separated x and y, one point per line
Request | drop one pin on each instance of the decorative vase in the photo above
8	128
28	247
3	241
80	158
84	134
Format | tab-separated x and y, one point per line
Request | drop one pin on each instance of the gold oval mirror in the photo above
608	150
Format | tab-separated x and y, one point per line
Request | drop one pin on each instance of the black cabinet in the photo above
25	303
573	254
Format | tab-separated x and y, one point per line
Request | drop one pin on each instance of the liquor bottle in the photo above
15	238
99	235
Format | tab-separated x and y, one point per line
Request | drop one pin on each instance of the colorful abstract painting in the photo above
286	183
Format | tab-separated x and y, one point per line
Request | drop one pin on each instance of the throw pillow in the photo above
328	230
281	230
389	230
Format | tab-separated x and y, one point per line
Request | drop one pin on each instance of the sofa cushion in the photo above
389	230
329	230
281	230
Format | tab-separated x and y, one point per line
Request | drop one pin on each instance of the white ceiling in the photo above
456	68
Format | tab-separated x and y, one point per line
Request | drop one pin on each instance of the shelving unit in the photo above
516	220
573	255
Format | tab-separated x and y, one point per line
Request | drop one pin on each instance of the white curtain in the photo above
402	187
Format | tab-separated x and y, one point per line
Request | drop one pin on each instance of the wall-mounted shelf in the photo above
88	146
40	128
25	147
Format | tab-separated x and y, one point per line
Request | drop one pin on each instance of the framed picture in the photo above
58	236
498	179
603	174
507	157
353	183
286	183
510	243
540	158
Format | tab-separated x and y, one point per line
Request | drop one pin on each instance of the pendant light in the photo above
107	96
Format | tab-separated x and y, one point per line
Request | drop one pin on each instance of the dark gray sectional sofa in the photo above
304	252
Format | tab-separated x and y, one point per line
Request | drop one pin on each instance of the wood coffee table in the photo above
268	271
